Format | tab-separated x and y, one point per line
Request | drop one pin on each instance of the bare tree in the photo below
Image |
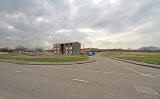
6	49
20	49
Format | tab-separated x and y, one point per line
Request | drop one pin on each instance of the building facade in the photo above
72	48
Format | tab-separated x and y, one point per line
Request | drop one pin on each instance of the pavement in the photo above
104	79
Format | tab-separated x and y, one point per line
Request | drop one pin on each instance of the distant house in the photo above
72	48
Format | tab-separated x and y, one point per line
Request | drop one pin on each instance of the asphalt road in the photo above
103	79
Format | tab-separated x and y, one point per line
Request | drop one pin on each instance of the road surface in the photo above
103	79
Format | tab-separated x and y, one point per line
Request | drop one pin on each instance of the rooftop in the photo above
67	43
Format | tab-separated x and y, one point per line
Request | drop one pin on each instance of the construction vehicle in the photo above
87	52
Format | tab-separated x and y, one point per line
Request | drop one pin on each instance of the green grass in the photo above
111	54
6	56
145	57
55	59
107	54
153	59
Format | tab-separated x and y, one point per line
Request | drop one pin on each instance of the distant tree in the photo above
146	50
20	49
38	49
6	49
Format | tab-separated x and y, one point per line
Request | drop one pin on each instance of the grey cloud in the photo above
124	16
70	36
127	15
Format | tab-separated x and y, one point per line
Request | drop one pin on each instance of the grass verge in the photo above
145	57
54	59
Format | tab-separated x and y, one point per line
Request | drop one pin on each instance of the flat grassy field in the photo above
50	59
146	57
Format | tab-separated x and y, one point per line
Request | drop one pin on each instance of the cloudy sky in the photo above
95	23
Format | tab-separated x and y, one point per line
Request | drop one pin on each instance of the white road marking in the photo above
133	74
17	71
120	73
149	75
97	71
142	74
77	69
57	67
152	76
80	80
157	75
146	90
87	70
108	72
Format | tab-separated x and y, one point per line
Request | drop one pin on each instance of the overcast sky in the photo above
95	23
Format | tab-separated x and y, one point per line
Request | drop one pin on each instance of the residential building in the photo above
72	48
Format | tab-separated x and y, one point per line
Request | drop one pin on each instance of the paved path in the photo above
103	79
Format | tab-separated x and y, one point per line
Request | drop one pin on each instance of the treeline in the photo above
6	49
21	49
122	50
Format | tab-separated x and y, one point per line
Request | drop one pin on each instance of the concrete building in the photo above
72	48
